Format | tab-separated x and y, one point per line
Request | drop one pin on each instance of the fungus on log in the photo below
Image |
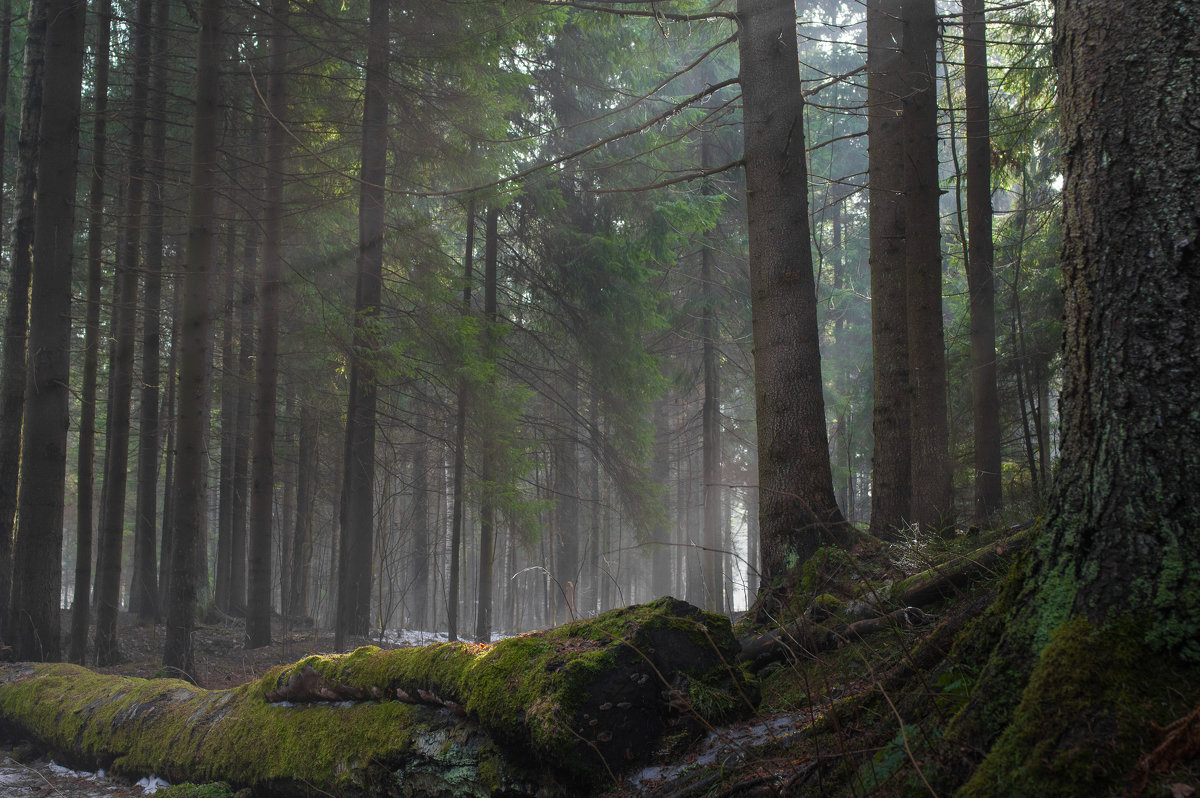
566	708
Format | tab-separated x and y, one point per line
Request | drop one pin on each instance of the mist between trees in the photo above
445	316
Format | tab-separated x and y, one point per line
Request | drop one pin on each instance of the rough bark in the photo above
561	711
891	465
1096	636
798	511
34	619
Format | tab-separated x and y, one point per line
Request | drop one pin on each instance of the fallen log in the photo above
950	578
808	636
805	638
555	712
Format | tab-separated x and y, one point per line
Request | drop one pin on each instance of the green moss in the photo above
1084	718
557	698
217	789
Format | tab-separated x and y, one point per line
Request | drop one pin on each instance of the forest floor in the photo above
820	720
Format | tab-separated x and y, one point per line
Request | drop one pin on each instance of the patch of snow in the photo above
152	784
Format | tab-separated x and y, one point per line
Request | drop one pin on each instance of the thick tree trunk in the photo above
561	712
798	510
34	619
891	466
1108	609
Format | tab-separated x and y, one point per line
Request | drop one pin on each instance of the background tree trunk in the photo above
797	508
358	511
262	490
34	618
86	465
178	654
891	466
985	400
16	322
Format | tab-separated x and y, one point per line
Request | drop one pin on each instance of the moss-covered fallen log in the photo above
556	711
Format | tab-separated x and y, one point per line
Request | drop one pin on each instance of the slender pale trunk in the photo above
487	471
460	444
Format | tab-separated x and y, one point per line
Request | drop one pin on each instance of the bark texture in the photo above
1122	528
558	712
797	509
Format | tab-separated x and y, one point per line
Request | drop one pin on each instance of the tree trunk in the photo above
178	653
985	400
116	459
306	489
460	445
798	510
487	471
262	490
34	619
891	466
1110	589
358	497
566	497
710	411
143	592
563	711
932	502
86	465
228	414
16	323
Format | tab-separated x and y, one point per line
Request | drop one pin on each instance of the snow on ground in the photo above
43	777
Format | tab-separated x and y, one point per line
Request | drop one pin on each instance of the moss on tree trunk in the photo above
562	710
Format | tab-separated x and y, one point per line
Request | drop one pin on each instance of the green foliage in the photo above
216	789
